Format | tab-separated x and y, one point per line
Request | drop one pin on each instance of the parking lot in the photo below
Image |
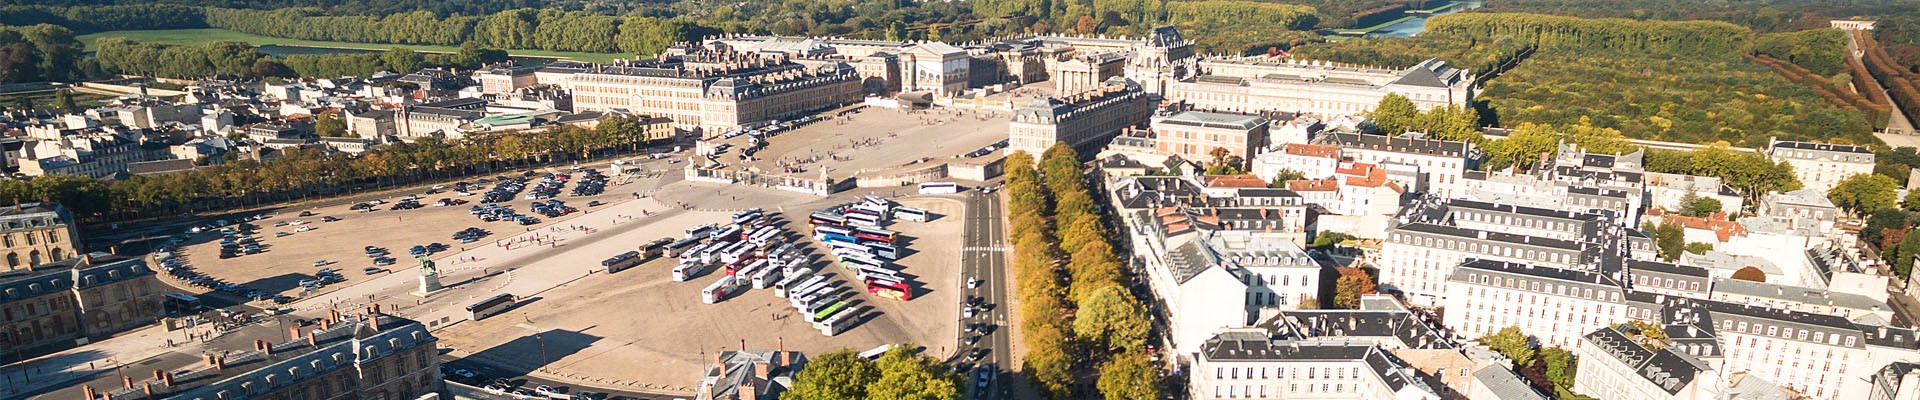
871	140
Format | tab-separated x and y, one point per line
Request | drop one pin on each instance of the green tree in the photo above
1560	365
63	101
1696	206
1129	376
1328	239
1903	260
1912	202
1050	361
328	124
1394	114
1698	247
904	375
839	375
1112	317
1280	179
402	61
1862	194
1513	343
1670	239
1352	283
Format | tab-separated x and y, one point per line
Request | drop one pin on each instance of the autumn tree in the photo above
1394	114
1113	318
1350	286
1130	376
1513	343
839	375
1280	179
907	376
329	124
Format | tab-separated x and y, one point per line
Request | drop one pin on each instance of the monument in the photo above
429	277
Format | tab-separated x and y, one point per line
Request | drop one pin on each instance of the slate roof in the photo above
1252	346
1664	369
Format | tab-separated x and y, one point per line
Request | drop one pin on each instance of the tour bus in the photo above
822	231
874	353
620	262
910	214
870	199
766	277
939	188
730	234
790	280
655	248
719	290
699	231
680	247
853	261
688	271
829	311
822	218
764	235
859	219
491	306
818	303
876	211
693	253
883	251
738	251
745	216
752	268
802	280
808	294
890	289
838	322
876	235
712	252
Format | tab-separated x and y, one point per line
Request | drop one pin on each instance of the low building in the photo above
370	356
35	233
504	80
1195	135
744	375
1260	84
1085	72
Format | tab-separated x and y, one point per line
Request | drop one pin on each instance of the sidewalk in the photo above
58	370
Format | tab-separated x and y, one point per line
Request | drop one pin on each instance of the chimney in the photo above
147	387
86	390
158	374
374	320
327	323
220	363
266	349
166	378
208	359
126	381
760	370
293	333
312	342
747	391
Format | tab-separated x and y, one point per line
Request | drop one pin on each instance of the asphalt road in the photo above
985	258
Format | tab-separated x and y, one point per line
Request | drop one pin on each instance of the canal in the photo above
1415	23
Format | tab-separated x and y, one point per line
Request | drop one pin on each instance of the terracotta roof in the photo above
1313	185
1312	150
1235	181
1723	229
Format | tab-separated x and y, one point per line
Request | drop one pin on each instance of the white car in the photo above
966	312
303	229
973	283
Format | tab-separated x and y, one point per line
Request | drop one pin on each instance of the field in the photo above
198	36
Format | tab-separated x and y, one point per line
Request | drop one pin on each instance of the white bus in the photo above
862	220
736	252
492	305
807	294
865	273
688	271
883	251
698	231
746	216
766	278
682	247
910	214
822	303
838	322
939	188
856	260
719	290
709	254
730	234
793	289
824	231
874	353
790	280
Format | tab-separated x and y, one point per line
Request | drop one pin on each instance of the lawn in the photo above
198	36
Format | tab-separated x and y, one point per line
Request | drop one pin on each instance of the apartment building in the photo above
1260	83
1662	278
370	356
1555	305
1194	135
1820	166
1086	121
1312	161
1439	164
1249	364
1619	363
1819	356
712	90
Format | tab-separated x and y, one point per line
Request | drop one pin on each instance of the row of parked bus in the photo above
864	249
818	301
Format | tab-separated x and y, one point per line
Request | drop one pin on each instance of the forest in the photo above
39	53
120	55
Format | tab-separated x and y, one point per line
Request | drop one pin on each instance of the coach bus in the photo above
654	248
910	214
620	262
801	281
827	312
865	273
791	280
688	271
876	235
883	251
853	261
808	294
699	231
746	216
939	188
765	278
491	306
719	290
680	247
826	219
860	219
838	323
890	289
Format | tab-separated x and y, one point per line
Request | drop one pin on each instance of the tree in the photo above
1560	365
1129	376
1882	221
1698	247
1669	238
1912	202
268	68
1696	206
1513	343
1862	194
1347	289
1903	260
1086	25
1280	179
904	375
402	60
63	101
1049	361
1112	317
1395	114
1328	239
328	124
839	375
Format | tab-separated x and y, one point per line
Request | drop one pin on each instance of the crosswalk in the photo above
987	248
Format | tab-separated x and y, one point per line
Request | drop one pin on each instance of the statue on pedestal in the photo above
429	277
